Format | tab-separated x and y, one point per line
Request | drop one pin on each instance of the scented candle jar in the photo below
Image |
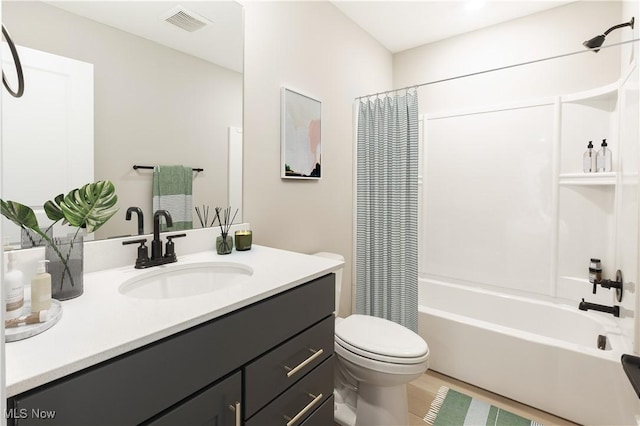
243	240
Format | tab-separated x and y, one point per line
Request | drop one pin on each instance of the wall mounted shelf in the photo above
588	179
603	93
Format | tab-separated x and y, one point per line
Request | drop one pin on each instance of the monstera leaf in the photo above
21	215
53	210
90	206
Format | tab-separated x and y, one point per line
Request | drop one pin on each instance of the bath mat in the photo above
451	408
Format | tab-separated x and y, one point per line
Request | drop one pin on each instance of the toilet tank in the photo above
338	273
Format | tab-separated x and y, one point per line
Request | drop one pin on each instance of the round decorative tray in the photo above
54	313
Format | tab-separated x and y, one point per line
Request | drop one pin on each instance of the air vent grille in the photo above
186	19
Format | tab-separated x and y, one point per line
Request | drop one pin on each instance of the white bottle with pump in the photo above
41	288
589	159
14	289
603	158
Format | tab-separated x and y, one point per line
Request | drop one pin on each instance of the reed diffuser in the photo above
224	243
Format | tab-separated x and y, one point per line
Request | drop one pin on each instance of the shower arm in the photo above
626	24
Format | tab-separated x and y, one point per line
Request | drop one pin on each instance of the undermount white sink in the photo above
185	280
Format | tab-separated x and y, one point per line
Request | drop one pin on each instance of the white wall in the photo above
553	32
153	105
313	48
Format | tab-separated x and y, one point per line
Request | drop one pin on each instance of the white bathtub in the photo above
539	353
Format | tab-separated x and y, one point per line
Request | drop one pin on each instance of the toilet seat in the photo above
381	340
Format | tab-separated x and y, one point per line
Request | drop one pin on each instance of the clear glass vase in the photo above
66	266
29	239
224	244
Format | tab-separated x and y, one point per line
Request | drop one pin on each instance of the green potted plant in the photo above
88	208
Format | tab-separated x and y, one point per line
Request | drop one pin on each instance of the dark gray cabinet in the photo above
276	351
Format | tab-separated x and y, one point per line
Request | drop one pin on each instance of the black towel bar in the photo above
136	167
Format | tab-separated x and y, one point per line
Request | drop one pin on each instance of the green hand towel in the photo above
172	186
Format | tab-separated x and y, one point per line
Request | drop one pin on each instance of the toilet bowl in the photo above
376	358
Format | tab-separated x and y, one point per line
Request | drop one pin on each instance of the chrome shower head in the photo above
597	41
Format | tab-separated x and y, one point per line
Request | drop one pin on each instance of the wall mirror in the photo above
165	89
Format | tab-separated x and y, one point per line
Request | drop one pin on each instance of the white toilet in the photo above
376	358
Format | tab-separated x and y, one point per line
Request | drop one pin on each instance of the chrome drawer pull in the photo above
236	409
315	354
304	411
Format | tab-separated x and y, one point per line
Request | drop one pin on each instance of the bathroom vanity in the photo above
261	355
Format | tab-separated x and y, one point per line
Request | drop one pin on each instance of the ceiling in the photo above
222	42
397	25
402	25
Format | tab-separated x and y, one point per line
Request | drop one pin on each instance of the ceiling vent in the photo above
186	19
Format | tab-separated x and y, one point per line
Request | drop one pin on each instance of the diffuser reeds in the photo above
203	216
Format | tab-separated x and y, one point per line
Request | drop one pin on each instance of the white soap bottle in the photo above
603	158
14	288
41	288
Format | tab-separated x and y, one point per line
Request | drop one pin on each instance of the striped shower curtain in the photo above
387	209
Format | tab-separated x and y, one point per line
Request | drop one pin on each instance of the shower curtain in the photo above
387	208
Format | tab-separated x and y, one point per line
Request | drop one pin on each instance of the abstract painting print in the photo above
300	136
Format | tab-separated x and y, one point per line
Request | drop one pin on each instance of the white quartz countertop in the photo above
102	323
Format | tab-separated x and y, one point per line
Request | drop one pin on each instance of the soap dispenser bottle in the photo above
603	158
41	288
14	289
589	159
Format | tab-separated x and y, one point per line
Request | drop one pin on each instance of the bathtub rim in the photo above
612	330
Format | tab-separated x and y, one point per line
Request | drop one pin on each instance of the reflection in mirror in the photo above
160	94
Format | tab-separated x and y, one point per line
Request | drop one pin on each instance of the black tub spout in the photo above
613	310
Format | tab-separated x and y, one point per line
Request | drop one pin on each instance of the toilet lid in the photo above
372	335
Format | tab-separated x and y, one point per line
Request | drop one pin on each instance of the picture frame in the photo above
300	136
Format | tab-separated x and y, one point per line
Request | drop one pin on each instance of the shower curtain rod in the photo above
494	69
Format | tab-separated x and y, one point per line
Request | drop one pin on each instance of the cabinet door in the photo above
217	405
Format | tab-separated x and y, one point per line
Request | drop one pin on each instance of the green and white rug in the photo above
451	408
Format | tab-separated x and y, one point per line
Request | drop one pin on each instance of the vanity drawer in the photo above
323	416
275	371
216	405
299	401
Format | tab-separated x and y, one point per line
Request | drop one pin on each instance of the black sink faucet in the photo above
613	310
138	212
156	244
143	260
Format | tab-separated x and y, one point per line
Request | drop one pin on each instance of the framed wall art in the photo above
300	132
